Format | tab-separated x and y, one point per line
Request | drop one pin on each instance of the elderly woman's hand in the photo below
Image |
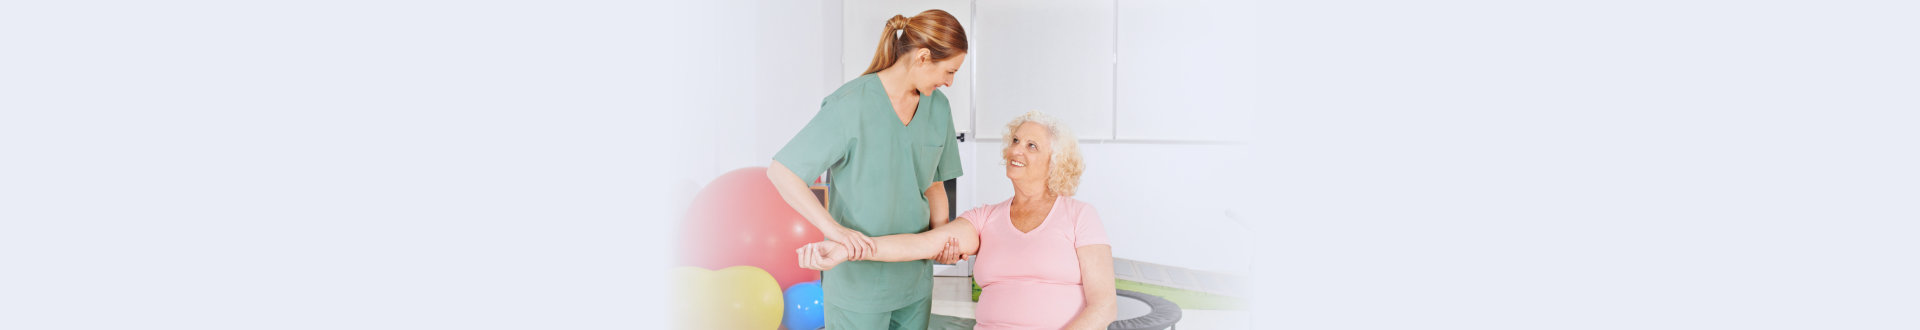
821	255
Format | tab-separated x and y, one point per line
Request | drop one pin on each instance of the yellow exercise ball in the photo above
738	297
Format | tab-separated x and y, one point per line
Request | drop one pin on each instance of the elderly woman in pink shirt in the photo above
1045	262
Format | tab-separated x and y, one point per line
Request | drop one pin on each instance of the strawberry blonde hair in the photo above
935	30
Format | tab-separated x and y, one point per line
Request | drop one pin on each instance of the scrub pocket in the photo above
925	160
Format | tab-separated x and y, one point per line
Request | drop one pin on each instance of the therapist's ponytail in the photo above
935	30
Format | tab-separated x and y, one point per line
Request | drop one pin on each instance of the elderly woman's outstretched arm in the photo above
945	243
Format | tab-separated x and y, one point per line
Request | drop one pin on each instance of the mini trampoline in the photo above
1140	311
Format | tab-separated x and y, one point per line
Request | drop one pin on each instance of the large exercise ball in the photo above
804	309
739	219
739	297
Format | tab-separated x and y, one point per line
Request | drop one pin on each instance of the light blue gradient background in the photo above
454	165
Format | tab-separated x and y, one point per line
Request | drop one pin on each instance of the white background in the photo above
1478	165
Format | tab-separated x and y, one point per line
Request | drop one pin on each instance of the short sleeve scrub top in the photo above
879	169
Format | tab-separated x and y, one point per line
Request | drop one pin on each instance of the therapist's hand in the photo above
949	254
857	244
821	255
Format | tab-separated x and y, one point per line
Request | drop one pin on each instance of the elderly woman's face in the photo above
1029	153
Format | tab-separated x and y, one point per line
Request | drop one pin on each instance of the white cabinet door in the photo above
861	24
1181	71
1055	56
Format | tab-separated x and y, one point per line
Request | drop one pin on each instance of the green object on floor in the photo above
1187	299
976	289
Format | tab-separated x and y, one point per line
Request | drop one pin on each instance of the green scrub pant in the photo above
913	316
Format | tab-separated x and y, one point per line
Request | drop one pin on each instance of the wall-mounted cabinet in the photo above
1055	56
1127	70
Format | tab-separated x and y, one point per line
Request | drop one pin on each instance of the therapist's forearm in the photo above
794	191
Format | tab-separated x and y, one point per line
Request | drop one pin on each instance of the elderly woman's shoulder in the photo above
1083	215
1077	204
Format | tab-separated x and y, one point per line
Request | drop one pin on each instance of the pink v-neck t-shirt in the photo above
1031	280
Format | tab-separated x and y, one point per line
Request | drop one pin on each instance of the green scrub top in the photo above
879	170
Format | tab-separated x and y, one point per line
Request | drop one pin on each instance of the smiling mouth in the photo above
1017	163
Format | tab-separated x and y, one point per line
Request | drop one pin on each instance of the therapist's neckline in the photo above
900	75
918	105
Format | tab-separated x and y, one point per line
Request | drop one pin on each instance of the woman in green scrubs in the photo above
886	139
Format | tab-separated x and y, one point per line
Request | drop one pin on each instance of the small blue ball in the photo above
804	310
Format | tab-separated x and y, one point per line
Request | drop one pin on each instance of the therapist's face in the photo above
938	73
1029	154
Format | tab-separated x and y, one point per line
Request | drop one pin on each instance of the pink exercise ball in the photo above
739	220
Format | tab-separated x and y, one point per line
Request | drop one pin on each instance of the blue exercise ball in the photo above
804	311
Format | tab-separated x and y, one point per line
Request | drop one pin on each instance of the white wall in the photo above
1185	71
797	64
1049	55
1158	94
772	80
1161	203
791	58
1164	202
718	141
